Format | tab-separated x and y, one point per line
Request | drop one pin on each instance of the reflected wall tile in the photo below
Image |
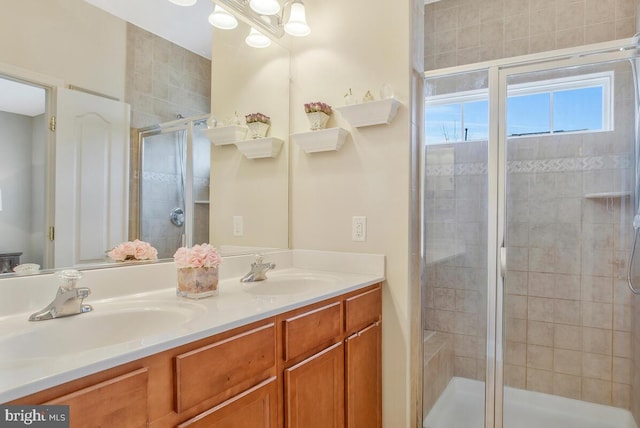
539	309
540	333
567	386
622	370
567	362
568	337
596	391
621	317
540	380
515	376
596	340
566	311
622	346
598	315
621	395
597	289
596	366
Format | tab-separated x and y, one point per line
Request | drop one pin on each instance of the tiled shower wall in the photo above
164	80
468	31
568	317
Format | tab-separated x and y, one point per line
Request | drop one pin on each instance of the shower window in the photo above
582	103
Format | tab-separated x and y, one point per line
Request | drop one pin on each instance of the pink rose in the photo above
181	258
116	254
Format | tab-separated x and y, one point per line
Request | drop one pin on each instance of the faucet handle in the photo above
69	278
259	259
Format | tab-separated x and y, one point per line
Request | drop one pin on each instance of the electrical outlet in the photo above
359	228
238	225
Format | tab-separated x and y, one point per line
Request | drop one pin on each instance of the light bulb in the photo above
297	24
222	19
256	39
184	2
265	7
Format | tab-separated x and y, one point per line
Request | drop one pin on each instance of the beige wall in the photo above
371	174
248	80
467	31
66	39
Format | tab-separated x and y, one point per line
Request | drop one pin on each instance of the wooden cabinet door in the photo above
364	378
314	391
118	402
254	408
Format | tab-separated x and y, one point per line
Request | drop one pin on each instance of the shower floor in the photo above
461	405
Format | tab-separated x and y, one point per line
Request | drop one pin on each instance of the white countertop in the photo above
28	365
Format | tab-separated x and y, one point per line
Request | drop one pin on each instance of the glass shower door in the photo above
454	247
568	150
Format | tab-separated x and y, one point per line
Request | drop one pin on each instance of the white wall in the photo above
66	39
15	182
248	80
360	44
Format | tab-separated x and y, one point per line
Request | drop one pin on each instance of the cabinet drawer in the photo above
117	402
363	310
255	408
225	368
310	330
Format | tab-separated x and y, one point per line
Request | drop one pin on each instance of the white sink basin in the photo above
108	324
290	283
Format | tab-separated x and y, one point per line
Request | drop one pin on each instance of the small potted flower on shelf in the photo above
318	114
258	124
132	251
197	271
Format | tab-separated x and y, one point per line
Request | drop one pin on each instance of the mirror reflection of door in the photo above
89	212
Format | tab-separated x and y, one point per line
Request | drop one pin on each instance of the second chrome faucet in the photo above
258	270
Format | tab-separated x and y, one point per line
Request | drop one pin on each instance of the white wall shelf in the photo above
370	113
268	147
201	202
607	195
226	134
322	140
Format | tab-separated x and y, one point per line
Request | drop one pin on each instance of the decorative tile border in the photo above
172	178
591	163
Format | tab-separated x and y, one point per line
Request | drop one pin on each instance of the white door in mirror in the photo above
91	183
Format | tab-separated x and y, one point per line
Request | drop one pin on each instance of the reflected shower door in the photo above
162	190
569	142
455	280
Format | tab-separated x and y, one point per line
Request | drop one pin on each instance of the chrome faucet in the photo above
68	300
258	270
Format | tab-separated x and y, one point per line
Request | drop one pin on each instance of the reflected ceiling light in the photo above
297	24
265	7
256	39
222	19
184	2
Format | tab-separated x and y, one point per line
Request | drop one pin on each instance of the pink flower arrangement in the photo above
136	250
204	255
318	107
258	117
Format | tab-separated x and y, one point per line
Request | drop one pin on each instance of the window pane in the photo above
577	110
528	114
443	123
476	121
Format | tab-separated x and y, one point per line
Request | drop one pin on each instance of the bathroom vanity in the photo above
302	350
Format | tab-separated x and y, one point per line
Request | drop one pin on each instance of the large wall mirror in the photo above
58	43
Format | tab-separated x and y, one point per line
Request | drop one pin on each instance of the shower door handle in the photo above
503	261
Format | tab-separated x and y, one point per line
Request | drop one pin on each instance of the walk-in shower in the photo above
174	171
529	197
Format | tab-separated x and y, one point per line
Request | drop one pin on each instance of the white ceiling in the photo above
185	26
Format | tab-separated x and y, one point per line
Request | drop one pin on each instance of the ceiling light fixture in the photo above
222	19
265	7
184	2
297	24
256	39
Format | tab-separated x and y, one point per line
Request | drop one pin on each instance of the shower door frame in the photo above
187	125
498	73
